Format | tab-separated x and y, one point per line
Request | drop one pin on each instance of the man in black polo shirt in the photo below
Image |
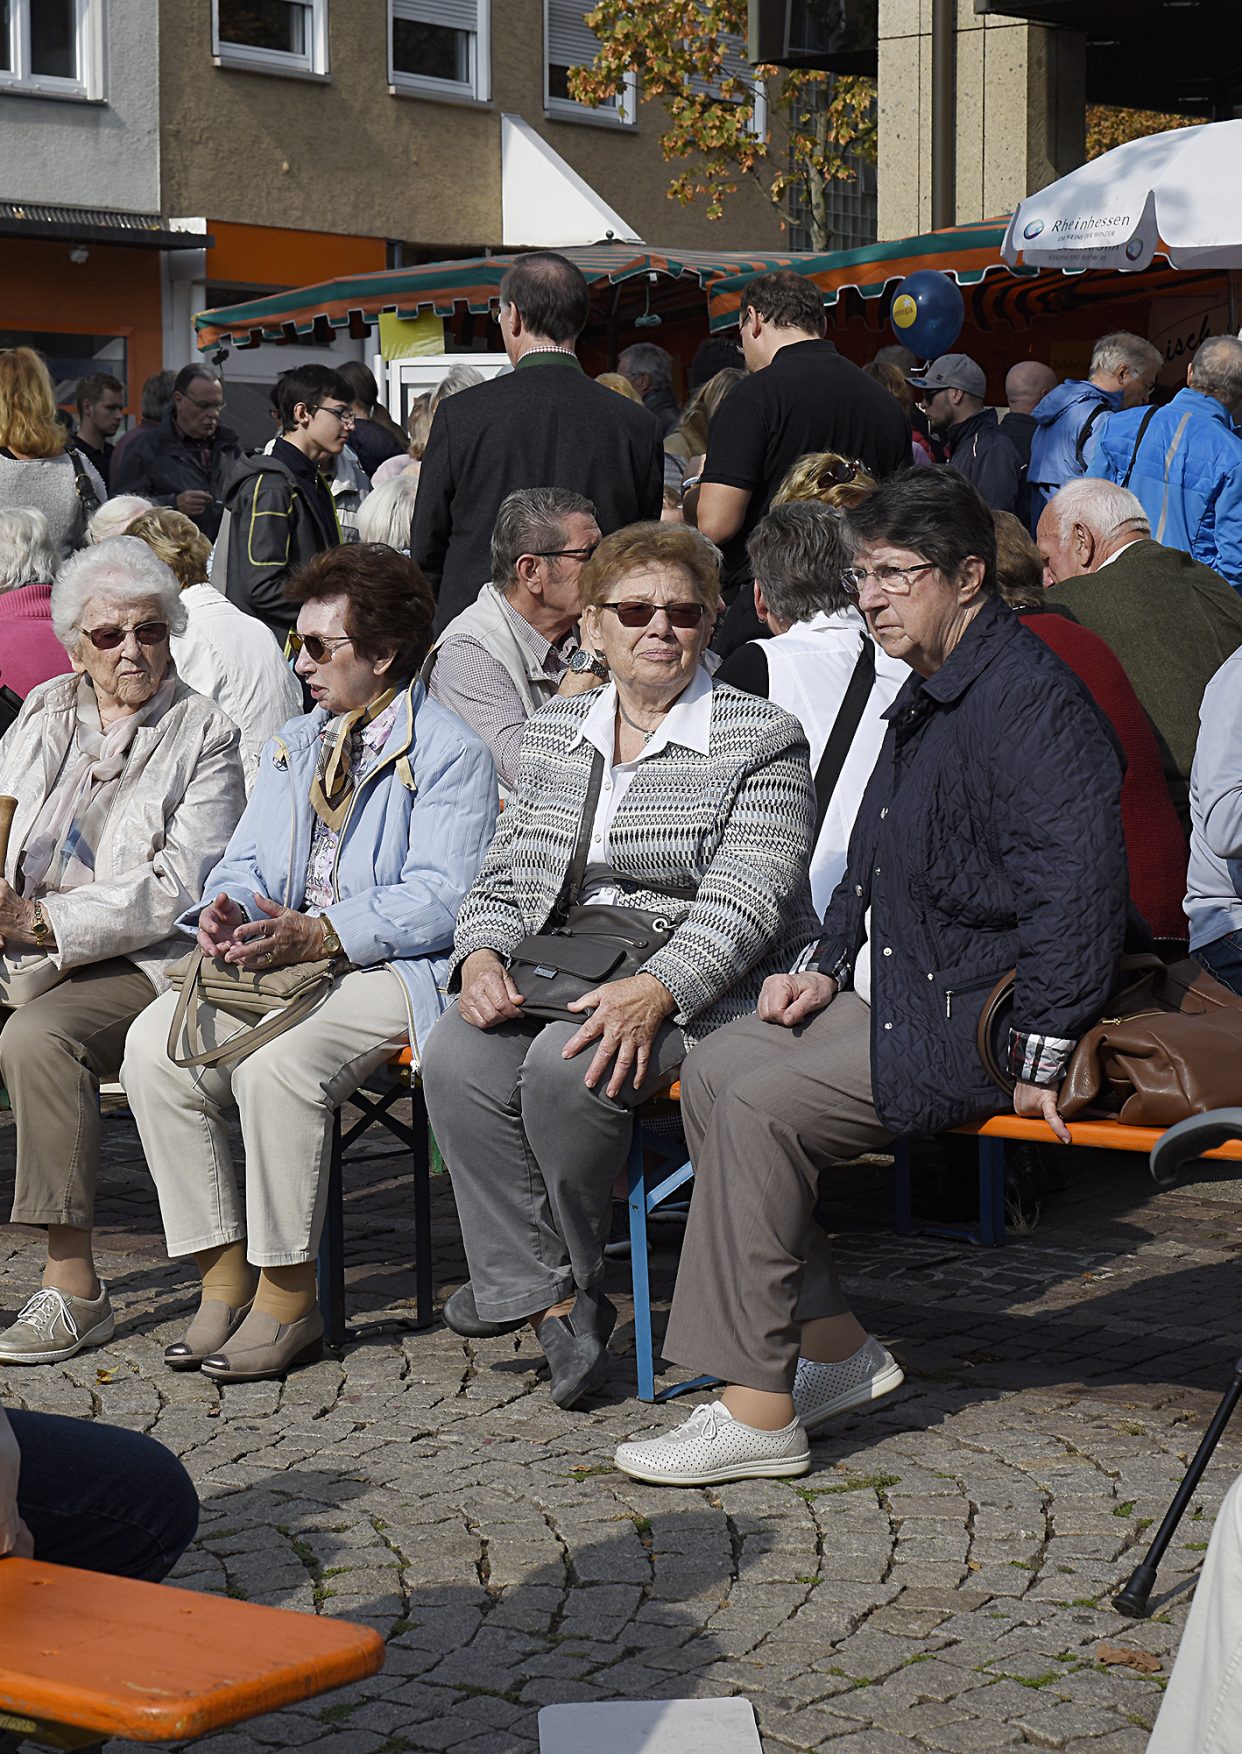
801	396
279	507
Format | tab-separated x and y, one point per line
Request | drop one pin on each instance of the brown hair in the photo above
644	545
390	607
28	423
1019	569
786	300
891	378
177	540
818	476
622	385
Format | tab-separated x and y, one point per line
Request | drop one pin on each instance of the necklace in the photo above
634	724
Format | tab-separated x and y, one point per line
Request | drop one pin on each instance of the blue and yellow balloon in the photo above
928	312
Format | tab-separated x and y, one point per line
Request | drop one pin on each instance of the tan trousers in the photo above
285	1094
765	1110
54	1054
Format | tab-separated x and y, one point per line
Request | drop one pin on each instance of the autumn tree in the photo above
1109	126
791	132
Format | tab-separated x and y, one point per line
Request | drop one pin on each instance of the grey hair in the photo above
645	356
1104	507
531	520
28	556
799	552
115	516
386	513
457	377
1120	348
1217	369
119	571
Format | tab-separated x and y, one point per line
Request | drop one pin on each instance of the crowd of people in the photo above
583	741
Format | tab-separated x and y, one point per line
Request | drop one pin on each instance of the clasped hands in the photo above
282	937
622	1021
17	917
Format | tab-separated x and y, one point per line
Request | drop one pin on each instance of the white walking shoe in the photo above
712	1447
822	1391
52	1326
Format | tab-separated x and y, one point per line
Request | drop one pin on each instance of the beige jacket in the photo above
177	803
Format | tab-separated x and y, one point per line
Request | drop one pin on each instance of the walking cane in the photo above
7	807
1181	1145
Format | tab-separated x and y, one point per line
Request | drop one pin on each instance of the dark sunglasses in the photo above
106	639
642	614
316	648
840	472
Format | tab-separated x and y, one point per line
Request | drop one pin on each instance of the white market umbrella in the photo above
1179	192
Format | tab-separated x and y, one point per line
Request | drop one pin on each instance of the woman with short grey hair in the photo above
89	895
115	516
30	653
387	512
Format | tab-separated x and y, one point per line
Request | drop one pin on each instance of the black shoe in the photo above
576	1346
461	1315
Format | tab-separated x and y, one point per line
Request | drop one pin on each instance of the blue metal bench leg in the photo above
331	1264
636	1194
421	1153
992	1193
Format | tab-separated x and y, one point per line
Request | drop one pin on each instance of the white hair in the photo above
115	516
1120	348
1104	507
28	556
386	513
457	377
119	571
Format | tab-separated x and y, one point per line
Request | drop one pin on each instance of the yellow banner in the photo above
410	337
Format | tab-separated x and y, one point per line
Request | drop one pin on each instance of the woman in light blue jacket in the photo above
369	820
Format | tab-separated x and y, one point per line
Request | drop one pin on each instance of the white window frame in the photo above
475	88
312	65
88	87
734	48
622	113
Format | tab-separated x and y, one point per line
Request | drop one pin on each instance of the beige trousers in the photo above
765	1110
285	1095
54	1054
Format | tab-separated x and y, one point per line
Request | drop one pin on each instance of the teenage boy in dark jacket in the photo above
280	507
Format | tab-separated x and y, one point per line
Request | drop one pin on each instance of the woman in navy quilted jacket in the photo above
989	838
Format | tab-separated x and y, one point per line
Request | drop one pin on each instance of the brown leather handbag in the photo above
1170	1046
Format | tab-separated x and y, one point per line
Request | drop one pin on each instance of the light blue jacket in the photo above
1198	508
1060	420
1214	881
415	837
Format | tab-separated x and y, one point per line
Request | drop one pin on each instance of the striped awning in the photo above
355	302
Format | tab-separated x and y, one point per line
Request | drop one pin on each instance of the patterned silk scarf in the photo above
333	784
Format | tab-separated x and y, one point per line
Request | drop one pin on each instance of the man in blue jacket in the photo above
1184	461
1070	418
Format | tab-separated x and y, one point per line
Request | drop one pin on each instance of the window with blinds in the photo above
571	44
439	47
272	36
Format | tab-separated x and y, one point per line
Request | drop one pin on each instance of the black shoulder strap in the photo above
82	482
578	864
1080	449
841	737
1144	423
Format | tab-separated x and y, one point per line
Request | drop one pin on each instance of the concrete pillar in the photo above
1021	95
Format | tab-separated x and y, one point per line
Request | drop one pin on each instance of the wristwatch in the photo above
39	926
331	943
583	660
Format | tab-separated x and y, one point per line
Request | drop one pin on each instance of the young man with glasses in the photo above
280	507
186	460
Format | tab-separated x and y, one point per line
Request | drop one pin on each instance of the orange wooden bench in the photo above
84	1656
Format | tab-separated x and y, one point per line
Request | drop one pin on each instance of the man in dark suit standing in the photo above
546	424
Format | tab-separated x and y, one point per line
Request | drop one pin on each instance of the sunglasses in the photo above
107	639
840	472
643	614
318	650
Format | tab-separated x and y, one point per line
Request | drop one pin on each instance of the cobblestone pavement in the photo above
938	1582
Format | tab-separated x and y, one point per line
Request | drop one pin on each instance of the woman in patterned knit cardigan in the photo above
705	793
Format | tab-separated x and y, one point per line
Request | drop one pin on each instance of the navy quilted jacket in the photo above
989	836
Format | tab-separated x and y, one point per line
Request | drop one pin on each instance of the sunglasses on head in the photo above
642	614
106	639
840	472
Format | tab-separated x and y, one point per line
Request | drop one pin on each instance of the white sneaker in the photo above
821	1391
711	1447
52	1326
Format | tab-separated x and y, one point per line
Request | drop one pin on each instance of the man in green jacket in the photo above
1171	621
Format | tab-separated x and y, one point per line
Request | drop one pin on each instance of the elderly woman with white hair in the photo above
115	516
128	785
387	513
30	652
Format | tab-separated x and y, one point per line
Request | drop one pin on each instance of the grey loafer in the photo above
576	1346
461	1314
263	1347
214	1323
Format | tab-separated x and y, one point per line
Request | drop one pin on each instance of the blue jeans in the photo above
101	1498
1222	958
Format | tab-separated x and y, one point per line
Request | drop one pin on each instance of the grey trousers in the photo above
54	1054
765	1110
532	1154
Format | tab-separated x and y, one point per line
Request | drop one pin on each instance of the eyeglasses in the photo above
107	639
568	553
643	614
895	580
346	416
205	407
317	649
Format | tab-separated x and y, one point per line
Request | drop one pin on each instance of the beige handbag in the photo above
24	975
271	1000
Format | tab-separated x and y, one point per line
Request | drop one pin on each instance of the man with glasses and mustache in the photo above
280	506
186	460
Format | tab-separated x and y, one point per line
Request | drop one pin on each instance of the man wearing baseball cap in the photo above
952	391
